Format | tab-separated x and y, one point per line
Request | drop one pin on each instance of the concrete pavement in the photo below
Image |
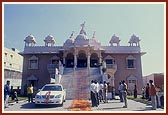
112	106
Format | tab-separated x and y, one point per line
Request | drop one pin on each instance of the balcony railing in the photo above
111	66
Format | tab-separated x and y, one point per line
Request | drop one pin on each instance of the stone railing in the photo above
111	66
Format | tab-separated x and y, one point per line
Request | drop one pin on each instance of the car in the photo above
51	94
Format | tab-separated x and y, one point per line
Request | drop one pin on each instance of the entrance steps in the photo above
77	82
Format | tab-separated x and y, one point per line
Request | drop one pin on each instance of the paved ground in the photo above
111	106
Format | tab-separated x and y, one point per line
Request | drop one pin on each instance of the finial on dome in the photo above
83	25
72	34
82	30
94	34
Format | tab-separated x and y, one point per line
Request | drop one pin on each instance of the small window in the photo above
10	65
33	62
5	54
4	63
11	56
109	61
130	63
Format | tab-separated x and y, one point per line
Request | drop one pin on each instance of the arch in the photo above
82	59
94	60
69	61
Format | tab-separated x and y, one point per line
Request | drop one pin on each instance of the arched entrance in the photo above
82	59
70	60
94	60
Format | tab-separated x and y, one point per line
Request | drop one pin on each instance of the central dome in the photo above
81	37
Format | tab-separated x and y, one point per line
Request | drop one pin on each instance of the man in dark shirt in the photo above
7	92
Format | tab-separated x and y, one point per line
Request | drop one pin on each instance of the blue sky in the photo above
144	20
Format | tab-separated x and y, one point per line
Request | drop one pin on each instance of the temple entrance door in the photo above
82	63
82	60
93	63
94	60
70	60
70	63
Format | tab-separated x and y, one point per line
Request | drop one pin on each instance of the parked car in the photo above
51	94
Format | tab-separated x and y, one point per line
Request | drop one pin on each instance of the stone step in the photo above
77	83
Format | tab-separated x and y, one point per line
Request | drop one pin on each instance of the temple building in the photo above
82	56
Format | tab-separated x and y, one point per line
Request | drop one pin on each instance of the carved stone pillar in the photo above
75	61
64	60
88	61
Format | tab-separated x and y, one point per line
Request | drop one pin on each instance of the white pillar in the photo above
63	60
88	61
75	61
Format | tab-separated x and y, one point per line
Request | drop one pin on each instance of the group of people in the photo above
149	93
98	92
9	92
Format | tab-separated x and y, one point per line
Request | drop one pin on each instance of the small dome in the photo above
30	38
134	39
114	39
49	38
69	41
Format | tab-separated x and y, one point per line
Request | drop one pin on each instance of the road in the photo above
111	106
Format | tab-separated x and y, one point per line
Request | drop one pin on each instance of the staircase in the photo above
77	82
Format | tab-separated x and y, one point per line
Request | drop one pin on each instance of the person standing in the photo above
105	89
7	92
101	91
152	93
97	92
93	94
135	92
147	91
124	93
30	93
120	91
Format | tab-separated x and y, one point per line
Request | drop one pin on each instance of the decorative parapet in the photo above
121	49
42	49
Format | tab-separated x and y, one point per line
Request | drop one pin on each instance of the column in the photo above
64	60
88	61
112	83
75	61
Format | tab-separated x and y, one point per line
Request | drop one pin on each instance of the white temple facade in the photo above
81	51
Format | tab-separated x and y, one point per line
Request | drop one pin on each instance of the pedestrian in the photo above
152	93
120	87
97	92
101	91
93	93
105	90
143	92
15	96
7	92
147	91
30	93
124	93
135	92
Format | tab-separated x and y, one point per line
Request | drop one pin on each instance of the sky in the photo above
144	20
